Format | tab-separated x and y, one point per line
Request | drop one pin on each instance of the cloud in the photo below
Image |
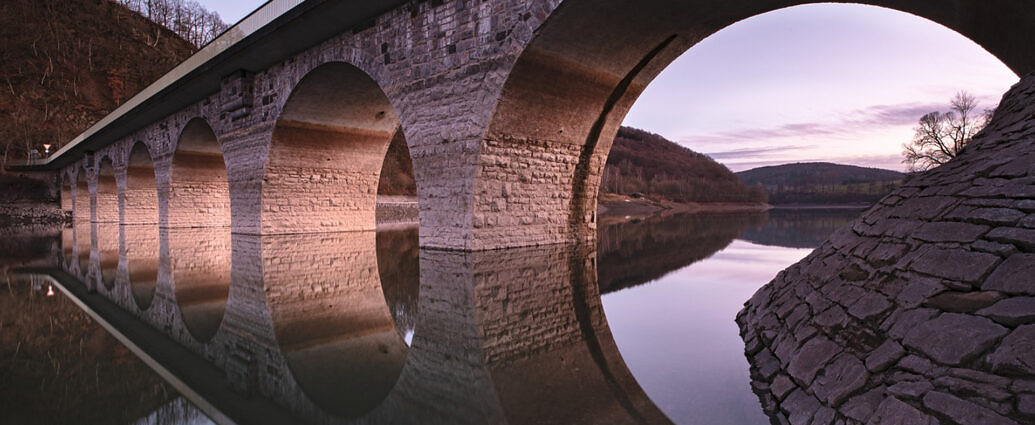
755	152
842	125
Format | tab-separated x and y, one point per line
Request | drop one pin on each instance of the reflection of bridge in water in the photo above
322	329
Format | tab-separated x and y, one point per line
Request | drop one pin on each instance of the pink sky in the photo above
826	82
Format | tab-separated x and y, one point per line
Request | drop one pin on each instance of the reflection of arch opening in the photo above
107	253
199	260
142	262
573	84
199	195
141	194
341	342
81	204
107	193
329	143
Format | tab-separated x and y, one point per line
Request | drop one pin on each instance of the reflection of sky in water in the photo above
678	335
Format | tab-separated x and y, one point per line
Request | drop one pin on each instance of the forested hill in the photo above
822	183
67	63
647	163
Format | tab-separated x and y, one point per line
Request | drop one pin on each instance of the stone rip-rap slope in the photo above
923	310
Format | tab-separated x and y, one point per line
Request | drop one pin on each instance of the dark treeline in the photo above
646	163
187	18
822	183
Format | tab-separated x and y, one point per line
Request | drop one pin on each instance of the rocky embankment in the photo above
923	310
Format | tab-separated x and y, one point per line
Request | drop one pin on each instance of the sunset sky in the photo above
826	82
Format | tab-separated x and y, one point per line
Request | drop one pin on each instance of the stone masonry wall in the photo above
923	310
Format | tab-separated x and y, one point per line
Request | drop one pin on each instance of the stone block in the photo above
954	338
1016	275
962	411
1016	352
1011	311
955	264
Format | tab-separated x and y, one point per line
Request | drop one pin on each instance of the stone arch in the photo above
327	149
199	194
82	204
583	68
140	202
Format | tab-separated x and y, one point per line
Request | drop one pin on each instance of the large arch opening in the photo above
107	253
329	144
571	87
199	194
107	193
566	98
141	194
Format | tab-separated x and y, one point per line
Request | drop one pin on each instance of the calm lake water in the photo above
650	338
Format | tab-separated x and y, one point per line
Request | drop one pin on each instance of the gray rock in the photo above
968	388
833	317
886	254
811	358
1016	353
908	320
954	338
886	355
962	411
1015	276
766	363
1023	238
845	375
995	216
917	291
862	406
1012	311
799	407
781	386
916	364
948	231
1000	249
823	416
911	389
1026	404
955	264
963	302
869	305
893	411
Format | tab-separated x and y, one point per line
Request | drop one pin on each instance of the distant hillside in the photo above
656	167
67	63
822	183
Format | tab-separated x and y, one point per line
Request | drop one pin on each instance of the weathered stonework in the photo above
921	310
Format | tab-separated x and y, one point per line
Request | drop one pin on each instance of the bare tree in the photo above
941	136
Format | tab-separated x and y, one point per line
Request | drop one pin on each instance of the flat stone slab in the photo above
1014	311
954	338
955	264
962	411
893	411
1016	275
811	358
1016	353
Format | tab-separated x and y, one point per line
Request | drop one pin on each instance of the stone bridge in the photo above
279	128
